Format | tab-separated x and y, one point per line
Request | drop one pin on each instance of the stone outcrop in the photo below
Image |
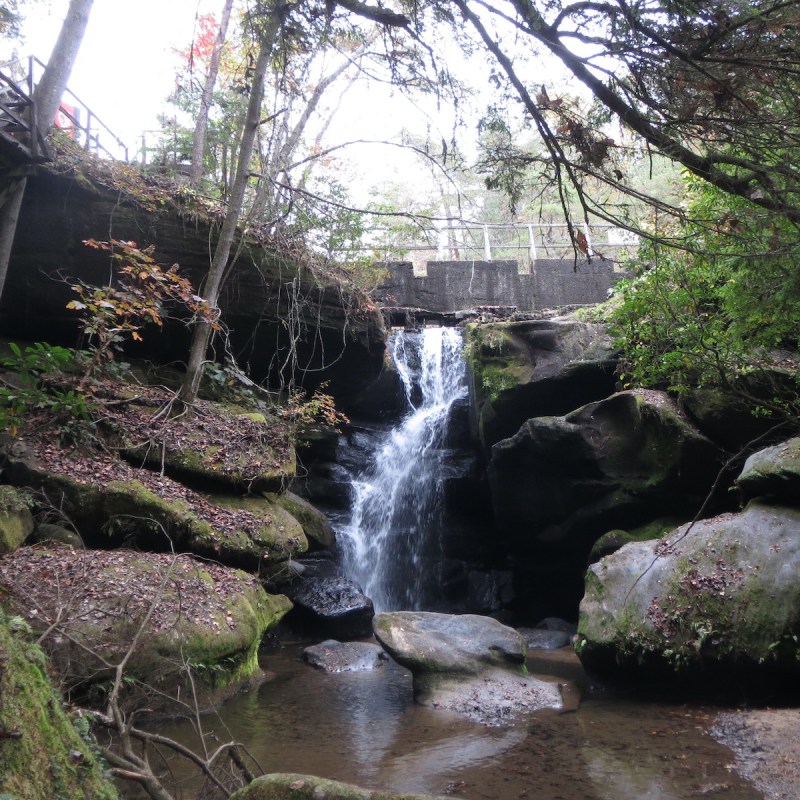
468	664
42	753
290	786
535	368
561	482
339	335
191	612
717	602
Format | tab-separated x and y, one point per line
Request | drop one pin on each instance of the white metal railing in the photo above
525	241
74	117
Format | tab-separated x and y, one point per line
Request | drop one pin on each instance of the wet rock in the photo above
16	521
773	472
289	786
540	639
334	656
490	591
471	665
332	606
557	624
717	603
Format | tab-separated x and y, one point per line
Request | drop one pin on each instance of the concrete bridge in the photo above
450	286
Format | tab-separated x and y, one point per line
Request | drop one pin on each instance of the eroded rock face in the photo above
333	656
290	786
468	664
562	482
332	606
717	602
190	611
342	337
535	368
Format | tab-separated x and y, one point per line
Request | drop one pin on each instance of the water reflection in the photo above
364	728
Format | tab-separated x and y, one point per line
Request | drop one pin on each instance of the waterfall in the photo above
391	544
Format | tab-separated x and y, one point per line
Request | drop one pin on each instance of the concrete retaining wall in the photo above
457	285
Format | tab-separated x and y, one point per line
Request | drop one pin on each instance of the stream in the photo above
364	728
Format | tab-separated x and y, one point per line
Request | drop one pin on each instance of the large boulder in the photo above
290	786
333	606
535	368
773	472
717	601
469	664
16	520
562	482
93	604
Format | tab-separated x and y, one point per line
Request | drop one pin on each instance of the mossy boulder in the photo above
290	786
16	521
44	752
193	613
155	513
234	449
717	602
611	541
560	483
535	368
773	472
315	524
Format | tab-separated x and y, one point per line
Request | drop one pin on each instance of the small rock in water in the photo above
335	656
331	606
540	639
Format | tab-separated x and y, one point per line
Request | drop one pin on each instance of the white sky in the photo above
126	66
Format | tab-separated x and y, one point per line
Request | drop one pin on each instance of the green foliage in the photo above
111	315
725	312
32	387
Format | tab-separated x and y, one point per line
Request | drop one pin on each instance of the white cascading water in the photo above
391	542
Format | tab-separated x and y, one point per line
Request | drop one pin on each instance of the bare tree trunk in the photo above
47	99
201	126
219	262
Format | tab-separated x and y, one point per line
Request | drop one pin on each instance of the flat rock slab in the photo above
333	656
467	664
289	786
493	698
424	641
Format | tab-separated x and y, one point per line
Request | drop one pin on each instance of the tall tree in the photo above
269	32
201	124
46	100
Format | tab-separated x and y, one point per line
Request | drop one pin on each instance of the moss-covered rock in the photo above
194	613
16	521
717	602
315	524
535	368
611	541
290	786
235	449
42	753
773	472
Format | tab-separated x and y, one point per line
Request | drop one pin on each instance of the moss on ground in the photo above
42	754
